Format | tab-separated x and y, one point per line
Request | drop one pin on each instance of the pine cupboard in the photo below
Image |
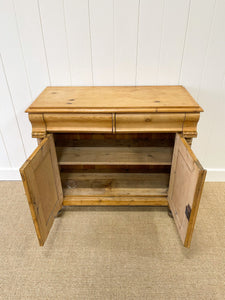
114	146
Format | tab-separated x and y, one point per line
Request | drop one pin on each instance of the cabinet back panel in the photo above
115	169
111	140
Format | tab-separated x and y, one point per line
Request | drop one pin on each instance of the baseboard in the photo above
215	175
14	174
9	174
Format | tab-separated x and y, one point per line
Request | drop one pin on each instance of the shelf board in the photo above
114	155
115	201
115	184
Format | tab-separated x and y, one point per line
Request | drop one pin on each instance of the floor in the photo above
111	253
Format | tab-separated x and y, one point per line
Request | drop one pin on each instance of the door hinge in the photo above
188	211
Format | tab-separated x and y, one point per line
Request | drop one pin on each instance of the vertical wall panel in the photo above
4	161
212	95
78	34
111	42
32	44
149	37
55	39
196	44
8	124
172	43
193	65
101	23
126	17
13	61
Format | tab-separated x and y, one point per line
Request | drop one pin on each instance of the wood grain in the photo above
114	140
114	155
115	201
185	188
115	99
78	122
115	184
150	122
42	184
190	125
115	146
38	125
116	168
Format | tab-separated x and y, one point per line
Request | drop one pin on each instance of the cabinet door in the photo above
185	188
42	184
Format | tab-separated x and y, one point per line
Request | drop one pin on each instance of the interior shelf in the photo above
115	184
115	169
114	155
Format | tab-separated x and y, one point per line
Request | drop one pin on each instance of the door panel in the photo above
185	188
42	184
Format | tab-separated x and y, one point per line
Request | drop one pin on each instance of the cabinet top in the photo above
114	99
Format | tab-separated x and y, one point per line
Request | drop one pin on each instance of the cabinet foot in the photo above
170	213
59	213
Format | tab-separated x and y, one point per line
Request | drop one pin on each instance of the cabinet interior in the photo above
108	165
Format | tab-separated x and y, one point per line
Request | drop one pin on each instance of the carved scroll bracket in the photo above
38	125
190	125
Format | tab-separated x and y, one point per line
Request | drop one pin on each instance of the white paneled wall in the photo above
111	42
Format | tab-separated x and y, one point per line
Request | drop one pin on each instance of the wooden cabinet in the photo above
114	146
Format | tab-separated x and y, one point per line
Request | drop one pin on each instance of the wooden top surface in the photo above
114	99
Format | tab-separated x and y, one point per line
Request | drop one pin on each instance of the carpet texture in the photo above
111	253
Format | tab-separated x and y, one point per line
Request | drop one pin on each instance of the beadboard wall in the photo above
111	42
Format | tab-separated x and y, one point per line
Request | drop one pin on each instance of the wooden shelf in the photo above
115	201
115	184
114	155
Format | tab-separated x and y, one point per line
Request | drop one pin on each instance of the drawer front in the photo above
78	122
150	122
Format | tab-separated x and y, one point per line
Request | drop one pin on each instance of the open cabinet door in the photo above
42	184
186	183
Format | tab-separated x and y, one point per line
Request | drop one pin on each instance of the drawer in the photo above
82	122
149	122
